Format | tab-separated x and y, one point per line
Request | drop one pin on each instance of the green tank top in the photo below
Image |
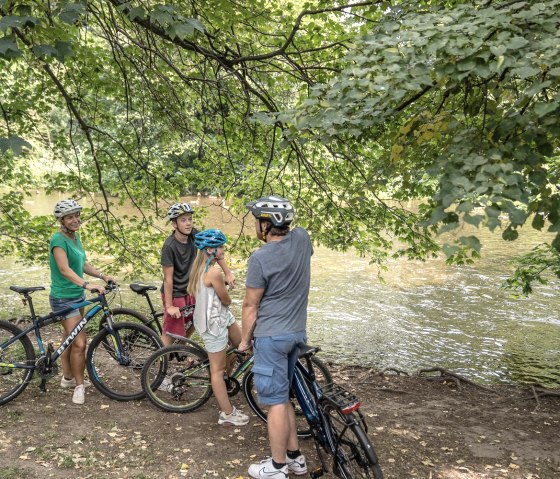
60	286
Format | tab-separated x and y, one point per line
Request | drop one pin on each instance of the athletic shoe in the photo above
235	418
297	466
266	470
79	396
166	385
71	383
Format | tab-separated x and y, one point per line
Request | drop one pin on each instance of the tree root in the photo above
446	375
540	391
398	372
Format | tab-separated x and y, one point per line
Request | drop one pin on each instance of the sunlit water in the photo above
423	315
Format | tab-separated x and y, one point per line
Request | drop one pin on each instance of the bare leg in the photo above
282	432
217	369
234	336
75	361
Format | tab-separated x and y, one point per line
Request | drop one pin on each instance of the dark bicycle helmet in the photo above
66	207
179	209
279	211
211	238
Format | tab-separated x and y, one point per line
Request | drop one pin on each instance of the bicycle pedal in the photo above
316	473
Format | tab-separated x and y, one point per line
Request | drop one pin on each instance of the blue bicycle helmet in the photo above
211	238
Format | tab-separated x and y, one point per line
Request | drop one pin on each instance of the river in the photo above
422	314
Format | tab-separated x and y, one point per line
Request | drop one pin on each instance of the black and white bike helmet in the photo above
179	209
66	207
279	211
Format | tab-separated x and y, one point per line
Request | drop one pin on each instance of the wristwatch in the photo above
85	284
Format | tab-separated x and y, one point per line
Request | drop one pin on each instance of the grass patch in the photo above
14	472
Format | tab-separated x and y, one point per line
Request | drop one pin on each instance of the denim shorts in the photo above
215	344
58	304
275	362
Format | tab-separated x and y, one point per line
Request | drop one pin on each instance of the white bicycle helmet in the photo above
66	207
179	209
279	211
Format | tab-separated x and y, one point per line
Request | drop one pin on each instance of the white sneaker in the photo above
79	396
297	466
265	470
166	385
71	383
236	418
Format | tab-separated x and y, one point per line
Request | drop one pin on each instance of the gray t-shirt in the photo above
180	256
283	269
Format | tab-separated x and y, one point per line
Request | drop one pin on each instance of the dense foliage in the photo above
350	109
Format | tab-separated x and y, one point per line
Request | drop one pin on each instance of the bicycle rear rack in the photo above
341	398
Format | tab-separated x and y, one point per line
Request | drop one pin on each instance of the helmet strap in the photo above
209	261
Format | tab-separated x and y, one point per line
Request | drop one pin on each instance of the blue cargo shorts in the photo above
275	362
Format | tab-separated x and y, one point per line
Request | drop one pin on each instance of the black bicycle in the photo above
114	358
154	318
334	419
177	378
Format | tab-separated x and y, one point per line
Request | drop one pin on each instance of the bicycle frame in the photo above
38	322
309	395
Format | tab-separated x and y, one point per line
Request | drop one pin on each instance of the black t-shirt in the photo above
181	257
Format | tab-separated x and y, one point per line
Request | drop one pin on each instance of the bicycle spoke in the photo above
115	360
355	457
177	378
14	378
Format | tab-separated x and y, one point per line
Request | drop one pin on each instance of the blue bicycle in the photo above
334	421
114	358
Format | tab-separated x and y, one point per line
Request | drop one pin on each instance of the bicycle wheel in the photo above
354	457
115	359
323	376
177	378
14	377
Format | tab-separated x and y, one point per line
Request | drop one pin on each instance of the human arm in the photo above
173	311
230	279
61	260
92	271
249	311
215	279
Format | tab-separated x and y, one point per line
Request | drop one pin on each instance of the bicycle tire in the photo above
177	378
121	379
355	456
127	315
323	376
13	381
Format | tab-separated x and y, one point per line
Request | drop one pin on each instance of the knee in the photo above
79	345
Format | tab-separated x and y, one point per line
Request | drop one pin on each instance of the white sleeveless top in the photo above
210	315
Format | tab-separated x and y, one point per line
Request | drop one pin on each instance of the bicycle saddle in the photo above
142	288
20	290
308	350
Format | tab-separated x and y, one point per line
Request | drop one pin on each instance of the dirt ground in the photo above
420	428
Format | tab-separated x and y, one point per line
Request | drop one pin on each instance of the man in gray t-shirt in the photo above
275	315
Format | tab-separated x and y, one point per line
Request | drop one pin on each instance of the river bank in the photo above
421	428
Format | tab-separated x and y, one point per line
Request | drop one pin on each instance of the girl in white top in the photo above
212	318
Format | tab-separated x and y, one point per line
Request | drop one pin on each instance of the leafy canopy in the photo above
351	110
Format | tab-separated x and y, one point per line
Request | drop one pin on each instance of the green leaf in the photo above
71	12
8	48
510	234
14	143
137	13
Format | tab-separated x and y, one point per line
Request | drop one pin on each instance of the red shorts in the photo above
176	325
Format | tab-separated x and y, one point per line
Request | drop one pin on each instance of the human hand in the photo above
174	312
230	280
243	346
